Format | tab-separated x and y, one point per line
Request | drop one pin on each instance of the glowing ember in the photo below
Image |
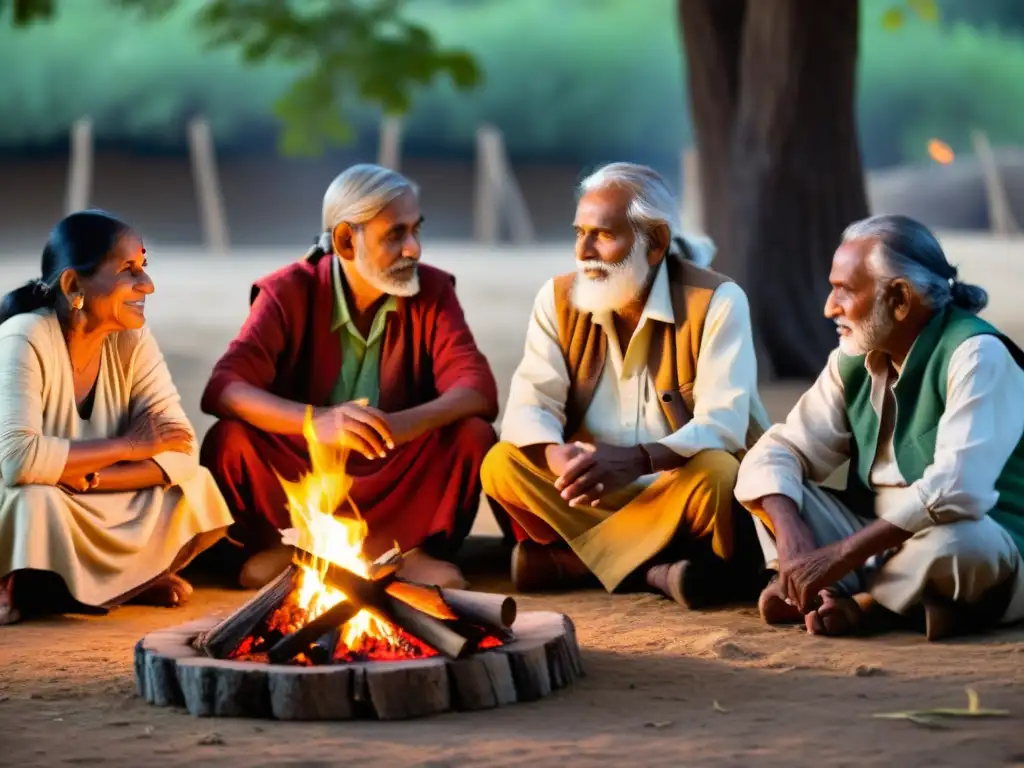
940	152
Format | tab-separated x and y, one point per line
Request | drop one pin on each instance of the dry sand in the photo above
655	673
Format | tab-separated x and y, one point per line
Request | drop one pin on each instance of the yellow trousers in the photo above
631	526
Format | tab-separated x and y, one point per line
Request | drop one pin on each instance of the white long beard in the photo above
869	334
618	285
385	280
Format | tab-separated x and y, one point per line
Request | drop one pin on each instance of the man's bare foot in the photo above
171	591
8	613
838	615
773	607
423	569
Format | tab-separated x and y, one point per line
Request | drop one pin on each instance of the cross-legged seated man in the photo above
619	441
926	402
378	344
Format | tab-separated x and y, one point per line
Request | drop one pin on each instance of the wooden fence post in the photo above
498	197
389	154
1000	214
207	183
79	184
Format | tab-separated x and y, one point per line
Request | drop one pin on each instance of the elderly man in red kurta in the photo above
378	344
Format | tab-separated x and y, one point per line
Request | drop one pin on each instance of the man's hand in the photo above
595	470
79	484
792	535
801	578
356	426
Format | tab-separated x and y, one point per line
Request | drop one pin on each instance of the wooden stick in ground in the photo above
290	646
225	637
491	611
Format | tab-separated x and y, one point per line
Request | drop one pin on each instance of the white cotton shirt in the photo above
625	410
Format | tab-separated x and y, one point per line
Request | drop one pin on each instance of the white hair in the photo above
908	249
651	204
358	194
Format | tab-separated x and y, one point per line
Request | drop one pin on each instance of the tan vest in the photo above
672	359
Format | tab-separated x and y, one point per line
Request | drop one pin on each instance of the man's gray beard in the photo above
621	284
870	334
384	280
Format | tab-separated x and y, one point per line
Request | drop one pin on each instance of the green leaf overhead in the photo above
342	50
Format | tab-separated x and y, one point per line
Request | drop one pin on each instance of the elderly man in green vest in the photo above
925	400
636	393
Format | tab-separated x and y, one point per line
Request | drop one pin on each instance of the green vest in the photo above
920	394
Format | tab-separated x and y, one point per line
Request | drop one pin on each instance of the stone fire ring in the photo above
544	657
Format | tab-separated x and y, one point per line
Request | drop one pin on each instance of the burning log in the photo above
226	636
290	646
376	597
426	628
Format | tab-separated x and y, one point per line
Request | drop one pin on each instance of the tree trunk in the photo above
772	88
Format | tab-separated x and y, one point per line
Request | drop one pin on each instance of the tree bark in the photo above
772	88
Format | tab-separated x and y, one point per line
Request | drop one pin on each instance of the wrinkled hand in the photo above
802	578
596	470
356	426
150	435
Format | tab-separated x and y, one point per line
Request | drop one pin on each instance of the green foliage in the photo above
599	80
927	82
341	49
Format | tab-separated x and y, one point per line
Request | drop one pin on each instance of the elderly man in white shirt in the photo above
926	402
635	396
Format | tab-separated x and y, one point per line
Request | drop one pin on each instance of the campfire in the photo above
334	605
339	634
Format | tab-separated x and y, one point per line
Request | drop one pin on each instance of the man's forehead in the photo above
850	262
603	207
404	209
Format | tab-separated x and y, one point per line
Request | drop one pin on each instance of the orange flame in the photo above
312	503
940	152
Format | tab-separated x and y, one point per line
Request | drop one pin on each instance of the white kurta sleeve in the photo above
153	392
27	457
811	444
724	381
979	429
535	411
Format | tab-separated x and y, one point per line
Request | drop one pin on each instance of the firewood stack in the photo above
451	622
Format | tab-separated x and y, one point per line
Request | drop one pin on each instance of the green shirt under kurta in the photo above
360	357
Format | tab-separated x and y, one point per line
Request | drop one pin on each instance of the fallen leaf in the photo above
718	707
211	739
927	716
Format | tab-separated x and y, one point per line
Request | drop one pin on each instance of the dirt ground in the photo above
663	686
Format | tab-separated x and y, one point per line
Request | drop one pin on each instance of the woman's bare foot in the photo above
8	613
838	615
773	607
171	591
424	569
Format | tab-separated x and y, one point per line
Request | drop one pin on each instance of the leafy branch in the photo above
342	49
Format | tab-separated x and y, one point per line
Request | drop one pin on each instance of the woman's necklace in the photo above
80	368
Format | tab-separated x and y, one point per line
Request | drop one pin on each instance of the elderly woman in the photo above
99	478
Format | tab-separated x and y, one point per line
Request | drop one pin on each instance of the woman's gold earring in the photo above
78	302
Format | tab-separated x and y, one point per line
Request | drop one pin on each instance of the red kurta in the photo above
426	490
